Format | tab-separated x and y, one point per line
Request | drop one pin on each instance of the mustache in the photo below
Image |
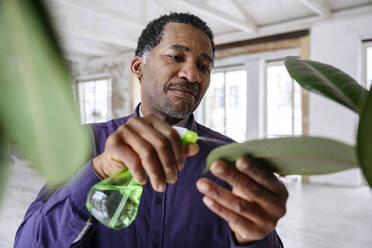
192	88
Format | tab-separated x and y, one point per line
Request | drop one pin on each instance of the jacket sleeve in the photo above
58	219
271	240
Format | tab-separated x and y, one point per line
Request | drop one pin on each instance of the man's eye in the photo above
174	57
204	68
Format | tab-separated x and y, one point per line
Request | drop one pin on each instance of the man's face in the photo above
176	74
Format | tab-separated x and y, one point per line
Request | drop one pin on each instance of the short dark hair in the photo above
152	34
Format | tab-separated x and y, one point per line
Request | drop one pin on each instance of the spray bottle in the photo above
114	201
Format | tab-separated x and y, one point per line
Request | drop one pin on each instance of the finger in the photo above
239	234
191	149
125	157
172	135
160	143
246	228
148	156
232	202
246	188
260	174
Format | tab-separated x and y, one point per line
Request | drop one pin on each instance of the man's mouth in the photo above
184	92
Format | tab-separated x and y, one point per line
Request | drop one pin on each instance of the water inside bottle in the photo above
115	206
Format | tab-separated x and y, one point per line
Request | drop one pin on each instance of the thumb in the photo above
191	149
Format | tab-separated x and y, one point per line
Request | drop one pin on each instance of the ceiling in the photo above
96	28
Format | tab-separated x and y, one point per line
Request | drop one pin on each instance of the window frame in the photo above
365	45
94	78
224	69
252	63
267	64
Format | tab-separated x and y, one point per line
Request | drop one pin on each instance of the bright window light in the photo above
226	103
95	100
369	66
283	102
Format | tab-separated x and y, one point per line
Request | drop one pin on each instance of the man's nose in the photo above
190	72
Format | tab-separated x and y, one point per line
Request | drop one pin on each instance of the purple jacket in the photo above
175	218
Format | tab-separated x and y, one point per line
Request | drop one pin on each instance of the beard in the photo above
181	111
177	112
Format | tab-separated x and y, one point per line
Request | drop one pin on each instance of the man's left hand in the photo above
256	203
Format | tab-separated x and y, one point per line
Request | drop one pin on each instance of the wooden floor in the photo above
318	216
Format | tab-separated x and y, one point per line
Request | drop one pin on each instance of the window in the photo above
369	65
225	103
95	100
283	102
252	96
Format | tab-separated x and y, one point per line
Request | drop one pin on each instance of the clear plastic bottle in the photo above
114	201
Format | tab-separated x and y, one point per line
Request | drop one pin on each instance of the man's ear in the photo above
137	67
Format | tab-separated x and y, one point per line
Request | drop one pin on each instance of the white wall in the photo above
337	42
117	68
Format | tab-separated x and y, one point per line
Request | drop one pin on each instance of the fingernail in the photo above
173	179
242	163
202	186
207	201
161	187
218	168
142	181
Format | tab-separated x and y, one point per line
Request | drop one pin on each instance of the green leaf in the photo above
4	163
328	81
291	155
364	139
37	110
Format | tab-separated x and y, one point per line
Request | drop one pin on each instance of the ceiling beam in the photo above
69	22
318	6
290	26
244	25
283	27
244	12
77	45
102	11
89	35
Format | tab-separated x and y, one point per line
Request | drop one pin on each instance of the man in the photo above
230	207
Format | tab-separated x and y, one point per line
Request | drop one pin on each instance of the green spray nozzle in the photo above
187	136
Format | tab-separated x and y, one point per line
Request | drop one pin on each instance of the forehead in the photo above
186	35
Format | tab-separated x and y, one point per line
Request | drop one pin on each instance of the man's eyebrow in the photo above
187	49
207	57
180	47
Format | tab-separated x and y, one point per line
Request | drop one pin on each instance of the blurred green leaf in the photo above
4	163
37	110
364	139
291	155
328	81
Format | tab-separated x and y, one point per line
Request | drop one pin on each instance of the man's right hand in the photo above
146	146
